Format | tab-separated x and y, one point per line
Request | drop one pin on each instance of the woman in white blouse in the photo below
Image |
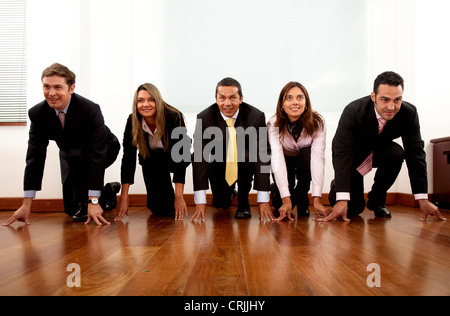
297	136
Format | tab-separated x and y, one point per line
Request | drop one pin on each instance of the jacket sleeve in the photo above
128	167
36	155
344	151
415	156
98	150
199	164
262	166
180	147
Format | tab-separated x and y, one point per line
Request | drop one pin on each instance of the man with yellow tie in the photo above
231	148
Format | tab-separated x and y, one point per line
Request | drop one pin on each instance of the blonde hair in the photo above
139	139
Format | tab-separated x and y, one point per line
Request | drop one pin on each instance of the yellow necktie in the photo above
231	174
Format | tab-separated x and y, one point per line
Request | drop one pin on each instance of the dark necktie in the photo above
62	118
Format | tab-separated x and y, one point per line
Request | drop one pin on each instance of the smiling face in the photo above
388	101
146	106
229	100
294	104
57	92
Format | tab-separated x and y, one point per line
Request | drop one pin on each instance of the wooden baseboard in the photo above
140	200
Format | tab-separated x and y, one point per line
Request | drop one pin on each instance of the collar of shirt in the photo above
65	109
233	117
376	113
147	129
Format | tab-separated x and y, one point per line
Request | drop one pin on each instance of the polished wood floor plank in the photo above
108	275
218	271
166	273
268	269
150	255
326	275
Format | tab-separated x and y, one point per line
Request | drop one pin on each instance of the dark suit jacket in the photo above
85	134
178	168
357	136
249	116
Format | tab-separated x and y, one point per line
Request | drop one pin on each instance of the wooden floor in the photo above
148	255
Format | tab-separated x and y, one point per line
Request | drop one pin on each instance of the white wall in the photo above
335	47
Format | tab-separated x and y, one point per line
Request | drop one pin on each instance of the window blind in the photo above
13	83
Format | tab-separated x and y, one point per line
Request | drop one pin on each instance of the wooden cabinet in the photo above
441	172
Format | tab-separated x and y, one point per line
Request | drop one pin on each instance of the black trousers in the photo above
299	178
388	161
158	182
222	192
74	174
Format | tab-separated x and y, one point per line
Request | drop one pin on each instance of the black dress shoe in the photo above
224	204
81	213
304	212
108	199
243	212
380	211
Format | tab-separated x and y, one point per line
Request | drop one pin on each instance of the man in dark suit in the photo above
87	148
247	125
365	139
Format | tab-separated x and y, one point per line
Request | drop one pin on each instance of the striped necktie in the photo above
367	165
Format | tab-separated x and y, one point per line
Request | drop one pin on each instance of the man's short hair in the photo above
61	71
229	82
389	78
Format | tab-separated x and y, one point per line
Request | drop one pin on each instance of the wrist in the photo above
93	200
27	202
422	201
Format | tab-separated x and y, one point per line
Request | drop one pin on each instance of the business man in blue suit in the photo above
87	148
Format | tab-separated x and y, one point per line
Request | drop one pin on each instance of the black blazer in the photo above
249	116
357	136
173	121
85	133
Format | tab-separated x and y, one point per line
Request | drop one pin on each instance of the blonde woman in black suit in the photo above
153	129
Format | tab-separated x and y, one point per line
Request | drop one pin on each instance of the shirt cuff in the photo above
94	193
263	196
284	192
316	191
342	196
200	197
421	196
29	194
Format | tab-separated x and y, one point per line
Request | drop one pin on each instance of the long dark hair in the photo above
311	120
